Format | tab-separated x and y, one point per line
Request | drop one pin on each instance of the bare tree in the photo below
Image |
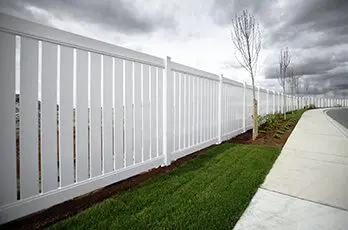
293	83
246	37
284	62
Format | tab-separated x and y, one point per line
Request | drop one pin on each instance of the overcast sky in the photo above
197	33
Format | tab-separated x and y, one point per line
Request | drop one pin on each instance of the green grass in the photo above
208	192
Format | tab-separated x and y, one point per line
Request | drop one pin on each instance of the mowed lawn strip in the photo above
208	192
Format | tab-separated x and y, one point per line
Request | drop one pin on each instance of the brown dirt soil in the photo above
266	136
42	219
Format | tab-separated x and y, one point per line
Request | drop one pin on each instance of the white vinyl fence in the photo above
88	114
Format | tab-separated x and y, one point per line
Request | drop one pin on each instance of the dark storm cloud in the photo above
316	29
314	65
115	15
329	18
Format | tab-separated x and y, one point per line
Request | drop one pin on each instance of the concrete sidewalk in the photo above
307	188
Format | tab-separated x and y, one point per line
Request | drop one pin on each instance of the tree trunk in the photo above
255	121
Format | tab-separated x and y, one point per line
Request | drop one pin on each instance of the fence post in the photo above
166	110
220	110
244	106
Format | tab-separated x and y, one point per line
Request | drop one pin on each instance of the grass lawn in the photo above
208	192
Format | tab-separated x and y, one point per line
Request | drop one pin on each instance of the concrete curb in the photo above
340	127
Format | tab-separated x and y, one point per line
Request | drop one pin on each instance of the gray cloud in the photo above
327	19
223	10
316	30
114	15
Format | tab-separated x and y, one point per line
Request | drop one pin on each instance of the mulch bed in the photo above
267	135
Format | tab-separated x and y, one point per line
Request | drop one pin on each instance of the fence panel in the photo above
194	99
232	107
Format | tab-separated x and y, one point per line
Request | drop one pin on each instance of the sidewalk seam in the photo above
300	198
316	152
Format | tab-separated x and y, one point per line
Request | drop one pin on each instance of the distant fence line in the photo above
133	112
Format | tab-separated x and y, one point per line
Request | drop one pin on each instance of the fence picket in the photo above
137	113
146	112
108	164
95	116
154	117
128	77
49	117
8	175
29	161
82	115
119	135
66	162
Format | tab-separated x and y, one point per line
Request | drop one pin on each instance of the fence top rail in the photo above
40	32
231	82
250	87
263	90
192	71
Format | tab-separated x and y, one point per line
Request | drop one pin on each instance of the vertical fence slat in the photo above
179	111
118	115
203	112
196	110
153	113
107	115
160	110
182	111
176	112
146	112
66	163
49	117
170	117
29	181
210	108
82	115
129	112
200	124
189	110
137	113
95	120
223	110
217	109
8	135
192	111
